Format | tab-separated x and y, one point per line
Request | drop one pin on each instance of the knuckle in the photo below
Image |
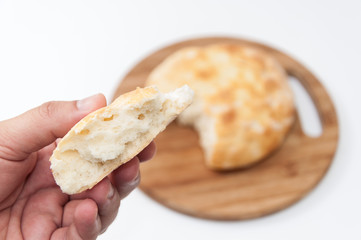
47	110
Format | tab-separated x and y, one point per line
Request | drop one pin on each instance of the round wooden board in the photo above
178	178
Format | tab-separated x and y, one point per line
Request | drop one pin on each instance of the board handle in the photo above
320	97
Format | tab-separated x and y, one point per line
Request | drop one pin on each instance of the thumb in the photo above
37	128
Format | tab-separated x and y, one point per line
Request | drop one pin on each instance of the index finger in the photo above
147	153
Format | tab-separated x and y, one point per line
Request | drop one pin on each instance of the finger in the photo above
86	223
147	152
106	198
126	178
68	213
41	126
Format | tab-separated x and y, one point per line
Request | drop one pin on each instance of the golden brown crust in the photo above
243	89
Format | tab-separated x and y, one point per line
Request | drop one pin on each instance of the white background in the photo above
65	50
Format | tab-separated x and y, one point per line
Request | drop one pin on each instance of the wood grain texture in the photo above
178	178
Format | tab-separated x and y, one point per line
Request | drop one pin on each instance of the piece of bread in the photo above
243	106
113	135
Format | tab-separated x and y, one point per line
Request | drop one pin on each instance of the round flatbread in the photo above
243	106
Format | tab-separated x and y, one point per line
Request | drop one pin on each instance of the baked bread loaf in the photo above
113	135
243	106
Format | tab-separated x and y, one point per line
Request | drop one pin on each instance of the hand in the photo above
32	206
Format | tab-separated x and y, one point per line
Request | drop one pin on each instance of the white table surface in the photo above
65	50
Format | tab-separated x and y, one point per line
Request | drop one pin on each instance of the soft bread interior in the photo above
204	124
112	136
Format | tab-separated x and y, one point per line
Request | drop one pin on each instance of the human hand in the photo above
32	206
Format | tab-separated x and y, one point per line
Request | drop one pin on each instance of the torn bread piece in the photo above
113	135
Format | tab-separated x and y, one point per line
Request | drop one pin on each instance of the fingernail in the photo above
110	193
98	224
136	180
87	104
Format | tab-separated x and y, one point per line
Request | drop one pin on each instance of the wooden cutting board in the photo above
178	179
